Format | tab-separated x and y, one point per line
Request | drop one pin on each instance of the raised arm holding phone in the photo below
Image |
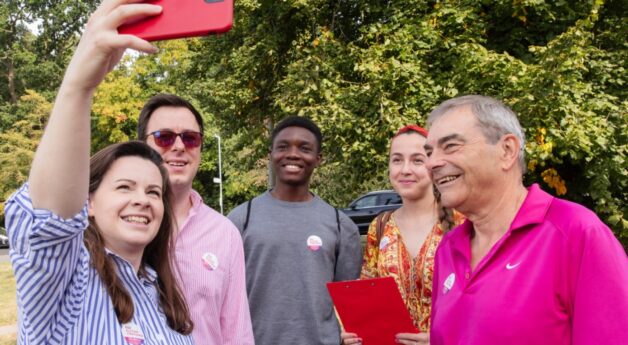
91	239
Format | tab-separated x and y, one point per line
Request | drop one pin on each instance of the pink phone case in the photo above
183	18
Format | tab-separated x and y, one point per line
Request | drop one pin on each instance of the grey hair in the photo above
494	118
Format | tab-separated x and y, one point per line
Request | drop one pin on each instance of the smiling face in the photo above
127	206
463	164
294	156
406	165
182	162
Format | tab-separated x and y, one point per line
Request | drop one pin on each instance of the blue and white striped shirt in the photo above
61	299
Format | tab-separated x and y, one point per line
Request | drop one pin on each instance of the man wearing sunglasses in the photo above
208	248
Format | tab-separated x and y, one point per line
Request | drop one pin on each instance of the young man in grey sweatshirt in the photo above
294	243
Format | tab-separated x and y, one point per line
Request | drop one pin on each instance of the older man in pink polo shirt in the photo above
525	268
209	252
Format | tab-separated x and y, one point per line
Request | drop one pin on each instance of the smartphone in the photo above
183	18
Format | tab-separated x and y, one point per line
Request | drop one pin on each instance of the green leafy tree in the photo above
37	60
15	39
362	69
18	144
120	98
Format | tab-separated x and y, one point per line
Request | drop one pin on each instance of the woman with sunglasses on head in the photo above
91	238
402	244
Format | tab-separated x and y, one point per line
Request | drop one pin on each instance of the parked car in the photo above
365	208
4	241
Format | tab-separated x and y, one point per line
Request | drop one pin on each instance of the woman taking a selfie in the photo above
402	244
91	239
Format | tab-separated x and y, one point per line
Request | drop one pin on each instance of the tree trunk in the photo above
11	80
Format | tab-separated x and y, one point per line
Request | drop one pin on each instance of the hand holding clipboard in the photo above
372	308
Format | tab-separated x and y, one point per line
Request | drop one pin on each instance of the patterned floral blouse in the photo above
413	276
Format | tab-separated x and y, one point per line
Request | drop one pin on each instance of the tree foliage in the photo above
361	69
18	143
37	60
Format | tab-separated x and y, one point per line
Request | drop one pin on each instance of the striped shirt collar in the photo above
149	273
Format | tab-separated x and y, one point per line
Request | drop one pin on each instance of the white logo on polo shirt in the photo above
449	282
509	266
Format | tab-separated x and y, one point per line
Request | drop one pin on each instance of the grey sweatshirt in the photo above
290	251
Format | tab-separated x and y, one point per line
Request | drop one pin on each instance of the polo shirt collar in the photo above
462	239
532	211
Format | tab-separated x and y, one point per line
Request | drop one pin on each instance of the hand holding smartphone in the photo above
183	18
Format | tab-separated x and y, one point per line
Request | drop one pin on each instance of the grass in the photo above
8	339
8	304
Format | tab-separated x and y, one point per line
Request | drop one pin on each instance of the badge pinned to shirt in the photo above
384	242
314	243
133	334
210	261
449	282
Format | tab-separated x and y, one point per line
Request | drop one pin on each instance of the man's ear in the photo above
320	159
509	151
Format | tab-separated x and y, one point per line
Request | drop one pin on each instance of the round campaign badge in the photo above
314	243
449	282
384	242
210	261
133	334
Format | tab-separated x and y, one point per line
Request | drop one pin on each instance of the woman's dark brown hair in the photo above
445	215
157	253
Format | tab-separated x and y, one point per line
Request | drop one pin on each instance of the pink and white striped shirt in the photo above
210	259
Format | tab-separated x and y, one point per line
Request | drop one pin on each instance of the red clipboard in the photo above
183	18
372	308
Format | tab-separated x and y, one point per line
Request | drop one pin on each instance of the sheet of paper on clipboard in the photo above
371	308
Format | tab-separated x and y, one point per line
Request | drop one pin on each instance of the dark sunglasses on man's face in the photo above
166	138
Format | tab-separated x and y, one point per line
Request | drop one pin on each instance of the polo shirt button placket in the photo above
465	283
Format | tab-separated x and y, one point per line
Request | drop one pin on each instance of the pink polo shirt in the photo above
558	276
210	259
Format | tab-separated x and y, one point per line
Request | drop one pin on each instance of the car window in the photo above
367	201
390	199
